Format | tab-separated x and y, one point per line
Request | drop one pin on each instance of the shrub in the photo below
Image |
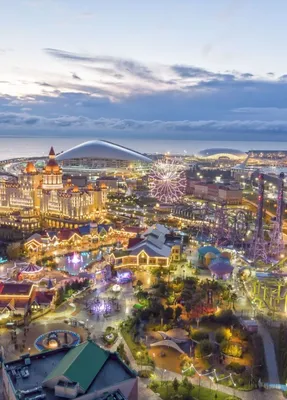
225	317
154	385
236	367
240	334
222	334
231	349
204	348
145	373
198	334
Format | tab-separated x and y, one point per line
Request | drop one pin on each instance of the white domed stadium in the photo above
101	154
222	154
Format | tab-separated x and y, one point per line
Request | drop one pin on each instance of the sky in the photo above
184	69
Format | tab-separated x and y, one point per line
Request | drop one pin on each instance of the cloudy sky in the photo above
167	68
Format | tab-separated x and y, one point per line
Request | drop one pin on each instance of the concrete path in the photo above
146	393
270	356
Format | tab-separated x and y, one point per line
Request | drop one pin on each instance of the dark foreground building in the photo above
85	372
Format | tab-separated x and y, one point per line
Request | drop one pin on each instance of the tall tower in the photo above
277	243
52	173
219	230
257	248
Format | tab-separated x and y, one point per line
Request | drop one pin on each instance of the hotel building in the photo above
40	198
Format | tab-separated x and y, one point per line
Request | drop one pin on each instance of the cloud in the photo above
4	50
185	127
76	76
186	71
247	75
132	67
122	95
44	84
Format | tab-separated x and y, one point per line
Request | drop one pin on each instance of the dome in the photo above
220	268
52	167
222	153
210	255
90	186
102	149
208	249
226	254
75	189
30	168
31	269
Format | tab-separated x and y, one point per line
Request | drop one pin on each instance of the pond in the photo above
74	263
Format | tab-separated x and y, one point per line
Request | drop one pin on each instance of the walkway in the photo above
207	383
146	393
270	356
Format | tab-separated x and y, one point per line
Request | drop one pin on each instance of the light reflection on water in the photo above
75	263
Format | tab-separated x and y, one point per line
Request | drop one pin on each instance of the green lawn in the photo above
136	348
167	392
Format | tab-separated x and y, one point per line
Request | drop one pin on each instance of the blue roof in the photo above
208	249
106	227
84	230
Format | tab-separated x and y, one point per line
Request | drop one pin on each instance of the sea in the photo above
39	146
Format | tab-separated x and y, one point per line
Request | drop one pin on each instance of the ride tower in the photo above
258	248
219	230
276	243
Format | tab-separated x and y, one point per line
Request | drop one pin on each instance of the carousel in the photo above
29	272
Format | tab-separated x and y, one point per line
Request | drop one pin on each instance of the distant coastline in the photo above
26	146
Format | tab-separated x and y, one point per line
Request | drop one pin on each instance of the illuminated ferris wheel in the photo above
168	180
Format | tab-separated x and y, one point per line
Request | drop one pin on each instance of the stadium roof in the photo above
219	152
101	149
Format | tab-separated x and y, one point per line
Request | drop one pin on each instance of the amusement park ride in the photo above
258	248
228	226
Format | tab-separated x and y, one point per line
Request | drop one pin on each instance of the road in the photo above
270	356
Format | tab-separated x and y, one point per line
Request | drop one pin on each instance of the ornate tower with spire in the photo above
52	173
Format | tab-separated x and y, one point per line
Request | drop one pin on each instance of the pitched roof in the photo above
151	249
157	229
43	297
81	364
52	151
134	241
85	230
11	289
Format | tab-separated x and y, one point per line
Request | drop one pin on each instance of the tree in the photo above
175	384
222	334
139	284
178	312
231	349
205	347
60	296
168	313
187	385
188	306
13	251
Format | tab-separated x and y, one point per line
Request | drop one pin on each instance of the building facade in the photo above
41	196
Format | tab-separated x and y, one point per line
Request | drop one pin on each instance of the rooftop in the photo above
102	149
87	364
10	289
